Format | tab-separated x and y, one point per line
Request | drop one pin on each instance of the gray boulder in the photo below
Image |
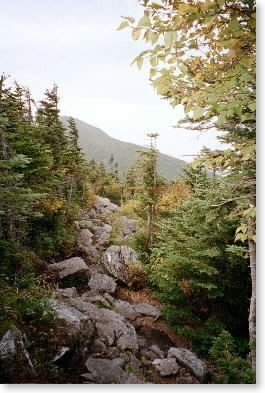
127	227
71	324
114	329
73	270
116	261
106	371
14	358
166	367
90	251
98	346
85	237
189	360
111	328
102	283
104	206
126	309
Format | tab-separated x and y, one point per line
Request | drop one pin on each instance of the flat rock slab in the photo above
166	367
189	360
70	267
147	310
133	311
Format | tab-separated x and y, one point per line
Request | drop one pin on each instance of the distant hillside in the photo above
98	145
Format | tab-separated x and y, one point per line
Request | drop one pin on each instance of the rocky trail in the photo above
105	330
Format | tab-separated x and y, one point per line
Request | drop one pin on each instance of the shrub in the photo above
229	367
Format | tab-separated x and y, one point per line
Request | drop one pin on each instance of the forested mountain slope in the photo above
100	146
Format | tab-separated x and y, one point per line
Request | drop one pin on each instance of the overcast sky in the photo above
76	45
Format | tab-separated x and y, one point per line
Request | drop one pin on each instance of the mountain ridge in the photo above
97	144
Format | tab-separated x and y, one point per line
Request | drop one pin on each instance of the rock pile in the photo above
98	330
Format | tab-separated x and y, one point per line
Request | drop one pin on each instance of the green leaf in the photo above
136	34
197	113
144	21
234	24
153	61
168	39
154	37
123	25
252	107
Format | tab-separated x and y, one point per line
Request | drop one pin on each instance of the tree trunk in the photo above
252	309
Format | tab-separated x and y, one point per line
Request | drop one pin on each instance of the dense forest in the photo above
195	238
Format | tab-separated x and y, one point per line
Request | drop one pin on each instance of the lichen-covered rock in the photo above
15	362
106	371
189	360
71	271
116	260
166	367
102	283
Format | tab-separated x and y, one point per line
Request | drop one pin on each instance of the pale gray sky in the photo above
76	45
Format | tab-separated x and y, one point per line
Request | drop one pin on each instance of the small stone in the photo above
157	351
166	367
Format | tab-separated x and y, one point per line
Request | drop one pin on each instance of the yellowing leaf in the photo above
136	34
123	25
153	72
129	18
139	62
172	60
